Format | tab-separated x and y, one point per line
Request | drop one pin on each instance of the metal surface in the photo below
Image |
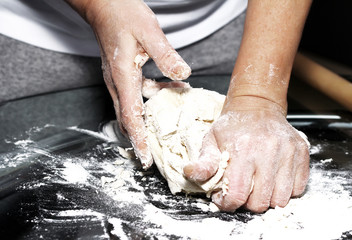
34	192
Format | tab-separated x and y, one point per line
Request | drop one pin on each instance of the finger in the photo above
284	180
237	184
128	81
151	87
267	165
153	40
114	97
208	161
302	173
107	74
259	199
304	137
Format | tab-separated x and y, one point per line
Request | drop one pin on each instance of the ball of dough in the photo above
177	120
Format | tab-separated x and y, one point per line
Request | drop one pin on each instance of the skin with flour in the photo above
128	34
252	127
256	100
177	121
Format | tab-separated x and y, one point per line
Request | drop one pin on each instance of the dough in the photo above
177	119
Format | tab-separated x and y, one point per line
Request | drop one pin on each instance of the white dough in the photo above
177	120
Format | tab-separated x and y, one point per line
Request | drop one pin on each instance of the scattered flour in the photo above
81	213
23	143
207	228
92	133
118	230
315	149
74	173
324	212
329	160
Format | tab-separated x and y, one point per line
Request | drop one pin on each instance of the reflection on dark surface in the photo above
29	192
37	143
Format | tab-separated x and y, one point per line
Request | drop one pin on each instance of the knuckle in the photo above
302	145
168	56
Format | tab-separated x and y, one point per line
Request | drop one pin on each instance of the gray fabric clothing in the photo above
214	55
54	25
26	70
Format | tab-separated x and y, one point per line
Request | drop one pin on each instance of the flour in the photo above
315	149
80	213
139	200
118	230
74	173
121	179
23	143
324	212
208	228
99	135
25	152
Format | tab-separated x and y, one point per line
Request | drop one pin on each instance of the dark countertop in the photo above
40	198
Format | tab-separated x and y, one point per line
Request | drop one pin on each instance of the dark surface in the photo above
327	30
29	205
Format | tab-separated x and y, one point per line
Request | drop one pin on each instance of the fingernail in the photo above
173	66
146	163
188	170
145	159
180	71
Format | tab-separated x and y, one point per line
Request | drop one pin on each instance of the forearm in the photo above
271	36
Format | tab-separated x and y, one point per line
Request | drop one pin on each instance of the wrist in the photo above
252	103
260	84
82	8
271	94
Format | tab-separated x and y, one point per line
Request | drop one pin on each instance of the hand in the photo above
128	34
265	150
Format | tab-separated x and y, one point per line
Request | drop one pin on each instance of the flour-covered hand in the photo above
128	34
269	160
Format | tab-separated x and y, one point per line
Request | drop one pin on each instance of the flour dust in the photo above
114	194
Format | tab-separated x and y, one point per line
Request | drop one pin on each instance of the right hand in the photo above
268	159
128	34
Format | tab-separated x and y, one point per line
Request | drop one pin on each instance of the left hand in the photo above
263	148
128	33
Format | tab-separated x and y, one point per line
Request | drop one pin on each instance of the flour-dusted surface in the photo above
177	120
74	184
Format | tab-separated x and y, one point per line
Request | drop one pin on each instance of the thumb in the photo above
208	162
